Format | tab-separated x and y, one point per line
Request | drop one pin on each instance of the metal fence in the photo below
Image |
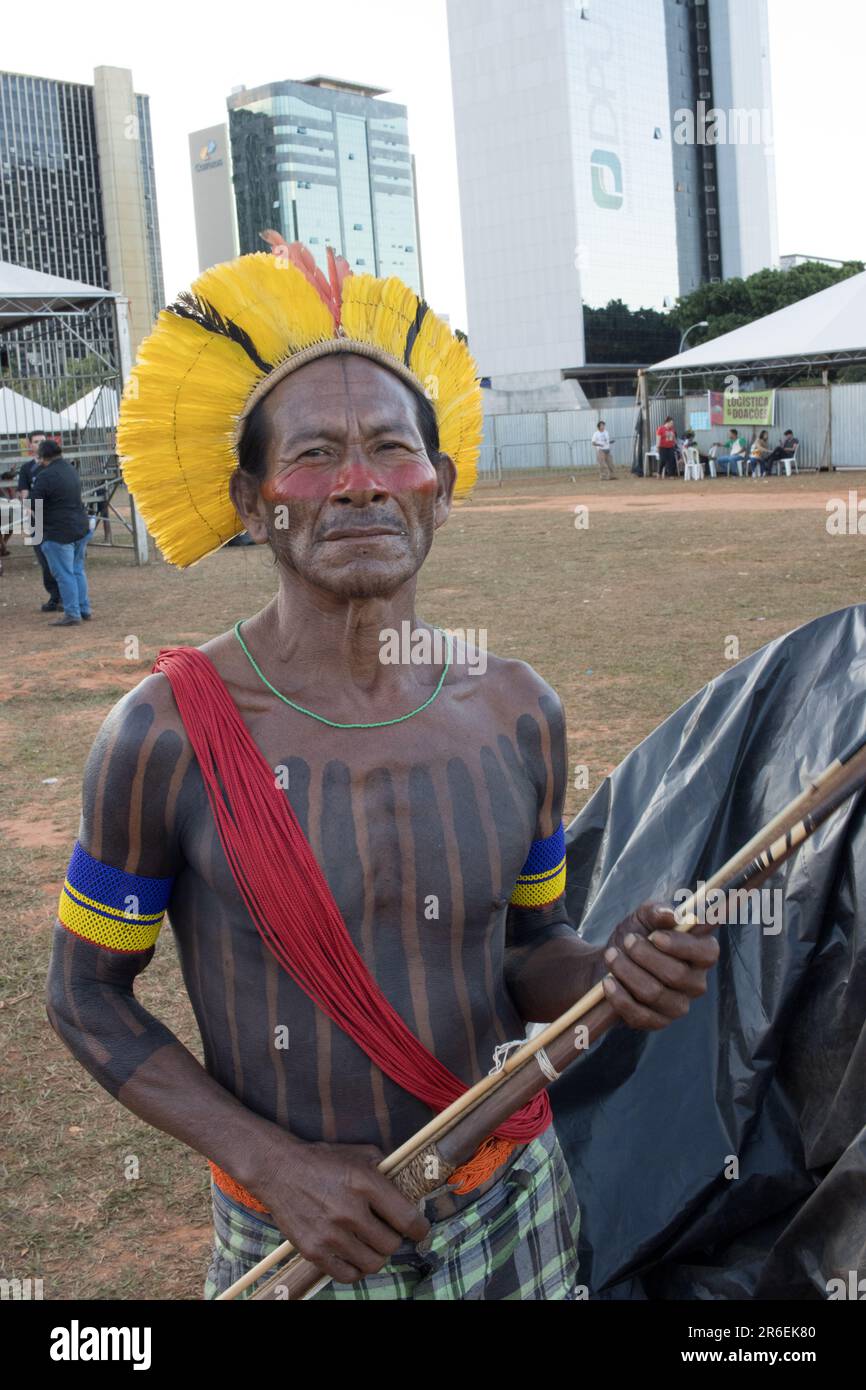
847	436
551	442
830	423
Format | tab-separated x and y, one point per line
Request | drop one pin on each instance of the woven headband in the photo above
312	354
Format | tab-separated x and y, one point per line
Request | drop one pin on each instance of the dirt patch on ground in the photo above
32	831
671	499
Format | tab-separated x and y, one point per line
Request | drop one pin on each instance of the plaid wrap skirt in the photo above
517	1241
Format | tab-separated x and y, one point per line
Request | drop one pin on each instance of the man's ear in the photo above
447	475
245	492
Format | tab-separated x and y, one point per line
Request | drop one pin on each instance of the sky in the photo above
187	58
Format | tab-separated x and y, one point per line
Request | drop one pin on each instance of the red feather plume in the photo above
330	291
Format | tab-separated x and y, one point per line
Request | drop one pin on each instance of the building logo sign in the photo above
206	158
606	179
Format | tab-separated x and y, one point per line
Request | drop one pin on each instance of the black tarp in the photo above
770	1066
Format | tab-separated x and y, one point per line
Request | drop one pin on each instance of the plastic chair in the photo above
650	454
790	464
693	470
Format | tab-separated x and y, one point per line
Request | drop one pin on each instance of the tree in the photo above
617	333
731	304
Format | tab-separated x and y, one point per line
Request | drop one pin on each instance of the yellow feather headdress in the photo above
222	346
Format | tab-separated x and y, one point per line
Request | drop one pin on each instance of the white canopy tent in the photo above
20	416
828	329
27	296
30	297
98	408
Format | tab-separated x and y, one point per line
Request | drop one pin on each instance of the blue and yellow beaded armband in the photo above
120	911
542	878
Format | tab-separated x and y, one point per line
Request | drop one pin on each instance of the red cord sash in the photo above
289	900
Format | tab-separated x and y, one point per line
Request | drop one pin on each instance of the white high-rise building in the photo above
607	150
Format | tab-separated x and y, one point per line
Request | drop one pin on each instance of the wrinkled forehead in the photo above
338	390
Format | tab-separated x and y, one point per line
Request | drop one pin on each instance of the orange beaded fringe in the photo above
232	1188
482	1165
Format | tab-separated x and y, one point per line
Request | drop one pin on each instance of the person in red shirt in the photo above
666	443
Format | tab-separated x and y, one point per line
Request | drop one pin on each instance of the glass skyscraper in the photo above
326	163
50	204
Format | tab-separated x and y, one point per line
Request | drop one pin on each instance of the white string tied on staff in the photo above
502	1051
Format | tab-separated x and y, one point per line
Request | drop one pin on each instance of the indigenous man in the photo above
363	861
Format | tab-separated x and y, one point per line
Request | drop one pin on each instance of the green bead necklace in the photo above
332	723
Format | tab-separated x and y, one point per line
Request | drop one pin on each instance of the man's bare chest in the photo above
405	828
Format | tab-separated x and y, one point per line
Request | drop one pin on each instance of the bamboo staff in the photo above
453	1135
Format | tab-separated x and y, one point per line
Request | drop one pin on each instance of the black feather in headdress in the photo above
422	312
201	311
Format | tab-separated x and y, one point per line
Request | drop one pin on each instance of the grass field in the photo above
625	618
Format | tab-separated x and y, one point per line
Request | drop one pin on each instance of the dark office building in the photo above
77	190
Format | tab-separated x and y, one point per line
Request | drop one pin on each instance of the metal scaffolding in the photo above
64	356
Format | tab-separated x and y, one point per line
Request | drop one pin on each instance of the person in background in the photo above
65	530
786	450
601	444
666	443
26	478
759	453
737	448
98	508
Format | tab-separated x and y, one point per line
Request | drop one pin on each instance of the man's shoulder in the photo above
133	795
219	649
155	690
226	656
143	715
513	687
